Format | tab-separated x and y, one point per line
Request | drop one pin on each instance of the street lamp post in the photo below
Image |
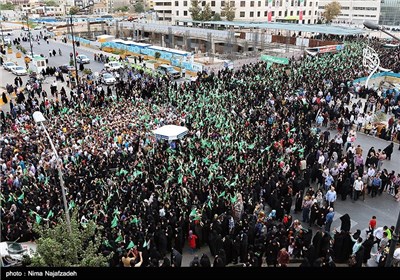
373	26
29	33
1	27
395	238
73	50
90	4
39	119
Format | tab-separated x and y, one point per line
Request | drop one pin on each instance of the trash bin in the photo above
18	55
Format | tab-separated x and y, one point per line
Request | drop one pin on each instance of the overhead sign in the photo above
275	59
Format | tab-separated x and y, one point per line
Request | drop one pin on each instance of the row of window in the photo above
362	16
251	14
243	3
354	8
366	8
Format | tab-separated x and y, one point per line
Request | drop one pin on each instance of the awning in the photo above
170	132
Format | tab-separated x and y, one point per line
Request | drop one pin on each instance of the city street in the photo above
66	49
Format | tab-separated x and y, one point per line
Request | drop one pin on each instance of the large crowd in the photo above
257	140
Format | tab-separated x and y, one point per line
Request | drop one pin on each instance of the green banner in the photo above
275	59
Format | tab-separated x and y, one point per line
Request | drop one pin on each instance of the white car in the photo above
113	66
82	59
19	70
7	40
9	65
108	79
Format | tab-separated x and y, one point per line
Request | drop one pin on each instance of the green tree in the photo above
157	55
7	6
332	10
51	3
56	247
139	7
206	13
217	17
229	10
122	9
74	10
195	10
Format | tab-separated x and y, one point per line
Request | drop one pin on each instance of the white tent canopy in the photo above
170	132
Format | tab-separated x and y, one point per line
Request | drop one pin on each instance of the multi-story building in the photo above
390	12
149	4
304	11
354	11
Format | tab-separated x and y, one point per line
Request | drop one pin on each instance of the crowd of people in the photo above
257	141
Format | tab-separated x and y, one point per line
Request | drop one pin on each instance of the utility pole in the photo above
74	52
1	28
29	34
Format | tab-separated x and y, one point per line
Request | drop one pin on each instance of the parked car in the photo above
7	40
8	65
66	68
82	59
19	70
107	79
168	70
113	66
12	253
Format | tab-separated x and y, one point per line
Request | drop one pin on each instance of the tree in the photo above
157	55
139	7
195	10
7	6
216	17
74	10
51	3
332	10
229	10
122	9
206	14
56	247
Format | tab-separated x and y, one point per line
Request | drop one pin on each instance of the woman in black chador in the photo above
4	98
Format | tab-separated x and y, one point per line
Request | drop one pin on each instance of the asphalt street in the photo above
66	48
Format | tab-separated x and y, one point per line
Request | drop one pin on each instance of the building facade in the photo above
390	12
354	11
304	11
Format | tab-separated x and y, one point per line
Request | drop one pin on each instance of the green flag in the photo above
71	205
119	239
51	214
134	221
145	244
38	219
130	245
10	198
107	243
221	194
114	222
233	199
193	213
